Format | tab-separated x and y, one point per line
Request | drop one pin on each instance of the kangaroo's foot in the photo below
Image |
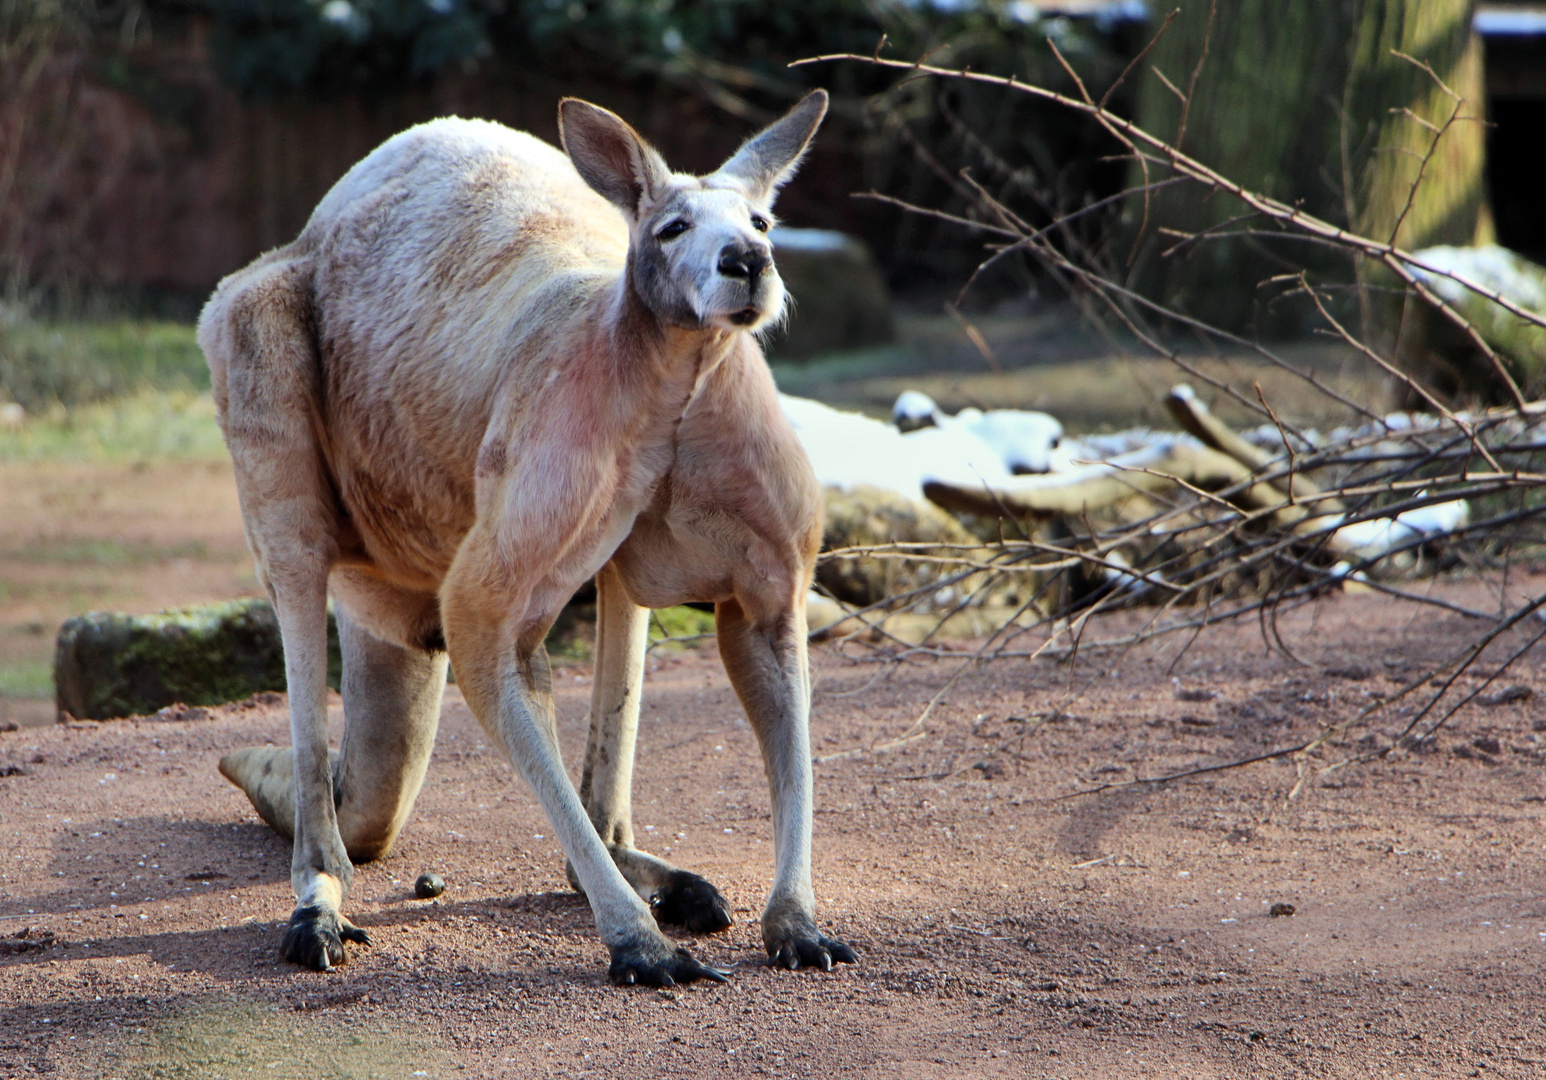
315	938
691	902
793	941
654	961
677	897
267	775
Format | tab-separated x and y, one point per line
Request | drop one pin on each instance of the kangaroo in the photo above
485	372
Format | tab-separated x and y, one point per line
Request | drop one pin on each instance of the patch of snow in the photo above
1495	22
848	450
1490	266
1021	439
809	239
1380	536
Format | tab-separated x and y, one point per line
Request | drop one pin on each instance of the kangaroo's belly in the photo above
401	523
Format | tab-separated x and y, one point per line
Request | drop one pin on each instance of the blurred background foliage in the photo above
323	46
74	363
735	56
726	59
147	147
270	47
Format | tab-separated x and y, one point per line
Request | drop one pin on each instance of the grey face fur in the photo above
699	253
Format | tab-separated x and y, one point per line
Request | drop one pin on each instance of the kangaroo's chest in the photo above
411	487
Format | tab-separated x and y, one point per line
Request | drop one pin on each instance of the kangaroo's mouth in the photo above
745	317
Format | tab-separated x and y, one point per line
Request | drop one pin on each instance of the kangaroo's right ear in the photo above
610	155
771	156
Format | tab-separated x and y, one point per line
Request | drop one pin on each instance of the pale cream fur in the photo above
475	380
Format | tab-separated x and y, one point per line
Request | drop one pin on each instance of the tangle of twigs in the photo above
1228	527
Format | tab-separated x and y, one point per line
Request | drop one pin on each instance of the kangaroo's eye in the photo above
673	230
759	223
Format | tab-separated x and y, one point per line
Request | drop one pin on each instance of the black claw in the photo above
797	943
658	963
691	902
315	937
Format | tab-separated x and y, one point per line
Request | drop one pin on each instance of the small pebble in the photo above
1277	911
1509	695
429	885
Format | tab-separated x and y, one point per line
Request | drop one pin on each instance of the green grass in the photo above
83	551
572	640
45	364
680	622
108	390
27	679
191	1039
147	424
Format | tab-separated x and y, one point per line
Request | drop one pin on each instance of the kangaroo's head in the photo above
699	254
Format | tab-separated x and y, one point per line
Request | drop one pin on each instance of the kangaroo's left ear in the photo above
771	156
611	156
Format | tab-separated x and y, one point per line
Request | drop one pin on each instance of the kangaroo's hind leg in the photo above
256	334
392	690
676	896
394	678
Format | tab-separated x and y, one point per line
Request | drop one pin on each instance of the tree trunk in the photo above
1307	102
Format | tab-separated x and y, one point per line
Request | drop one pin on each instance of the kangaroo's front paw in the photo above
691	902
793	941
315	938
657	962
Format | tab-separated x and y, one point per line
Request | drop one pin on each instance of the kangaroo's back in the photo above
449	247
443	275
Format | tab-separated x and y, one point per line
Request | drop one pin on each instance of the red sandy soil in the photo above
134	536
1007	925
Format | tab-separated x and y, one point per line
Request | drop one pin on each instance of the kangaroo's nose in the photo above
739	262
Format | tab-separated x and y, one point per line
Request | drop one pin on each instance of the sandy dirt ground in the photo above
1007	924
135	536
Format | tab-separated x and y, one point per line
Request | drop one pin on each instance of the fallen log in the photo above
1195	418
1150	471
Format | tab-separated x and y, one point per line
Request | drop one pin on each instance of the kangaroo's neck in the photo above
653	367
647	281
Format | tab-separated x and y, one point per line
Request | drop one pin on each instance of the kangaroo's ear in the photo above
771	156
610	155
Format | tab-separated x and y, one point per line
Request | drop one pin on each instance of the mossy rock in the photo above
864	516
1439	354
838	298
109	665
